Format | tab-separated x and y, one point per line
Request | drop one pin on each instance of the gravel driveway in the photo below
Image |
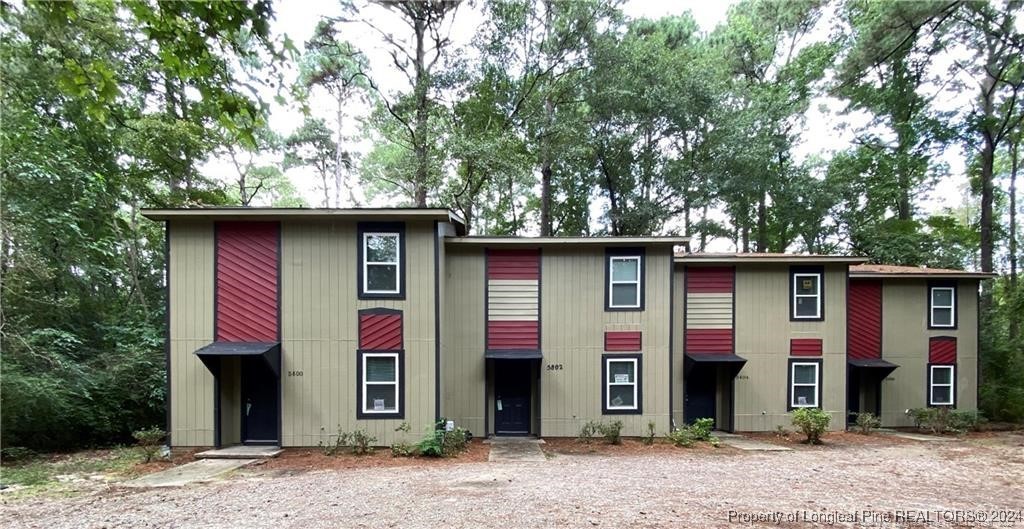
664	489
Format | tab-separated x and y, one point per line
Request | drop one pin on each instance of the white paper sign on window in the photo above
378	404
621	379
801	401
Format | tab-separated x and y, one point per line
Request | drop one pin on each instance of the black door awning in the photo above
729	361
875	367
270	352
500	354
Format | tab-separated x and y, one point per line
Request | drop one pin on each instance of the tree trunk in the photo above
419	140
545	171
704	229
338	153
1014	160
762	222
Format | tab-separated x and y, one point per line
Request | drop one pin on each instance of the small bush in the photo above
700	430
813	422
649	438
781	431
589	431
150	440
403	448
943	419
441	443
358	442
612	432
16	453
867	422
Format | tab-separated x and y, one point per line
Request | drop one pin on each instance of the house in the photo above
286	325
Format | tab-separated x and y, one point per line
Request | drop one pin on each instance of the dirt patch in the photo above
829	441
294	460
570	446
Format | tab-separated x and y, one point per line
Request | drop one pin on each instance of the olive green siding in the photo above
763	333
905	337
191	327
678	342
462	348
230	401
574	321
319	327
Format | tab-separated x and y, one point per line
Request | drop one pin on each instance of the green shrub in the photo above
649	438
150	440
681	437
943	419
441	443
589	431
813	422
612	432
402	448
867	422
700	430
16	453
358	442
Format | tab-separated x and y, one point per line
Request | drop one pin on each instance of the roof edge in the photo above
794	258
243	212
546	241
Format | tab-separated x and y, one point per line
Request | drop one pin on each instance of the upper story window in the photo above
381	260
625	285
621	389
807	298
804	384
942	305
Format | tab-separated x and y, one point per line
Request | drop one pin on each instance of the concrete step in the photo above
241	452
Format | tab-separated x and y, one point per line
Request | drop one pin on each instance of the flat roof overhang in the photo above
211	354
732	362
550	241
503	354
875	366
247	213
694	258
922	275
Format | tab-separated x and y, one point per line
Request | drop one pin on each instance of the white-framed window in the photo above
805	384
381	263
624	281
943	307
940	385
622	384
806	296
379	384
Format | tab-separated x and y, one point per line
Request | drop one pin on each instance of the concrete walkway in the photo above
241	452
515	449
747	444
200	471
919	436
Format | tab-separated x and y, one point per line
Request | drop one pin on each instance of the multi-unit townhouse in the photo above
286	325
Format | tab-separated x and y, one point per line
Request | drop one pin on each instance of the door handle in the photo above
248	407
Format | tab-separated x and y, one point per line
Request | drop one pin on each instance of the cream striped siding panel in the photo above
574	322
462	347
763	334
709	311
512	299
319	327
191	327
905	336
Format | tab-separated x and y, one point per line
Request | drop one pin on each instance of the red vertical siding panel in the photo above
513	264
710	280
246	281
622	340
380	332
709	341
805	347
942	350
512	335
865	319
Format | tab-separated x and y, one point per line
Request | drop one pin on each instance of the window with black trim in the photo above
941	384
621	391
941	305
380	385
806	293
804	384
624	279
381	272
